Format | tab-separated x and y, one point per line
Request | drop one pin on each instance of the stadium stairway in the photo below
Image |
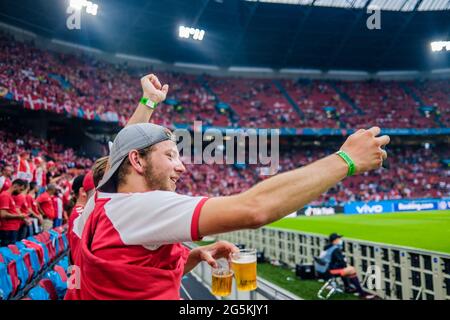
232	114
411	93
63	82
346	98
294	104
416	98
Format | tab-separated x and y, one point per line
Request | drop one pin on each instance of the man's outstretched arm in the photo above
285	193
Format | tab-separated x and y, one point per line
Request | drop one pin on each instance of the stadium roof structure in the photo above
390	5
271	34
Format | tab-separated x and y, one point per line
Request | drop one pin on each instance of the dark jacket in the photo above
337	258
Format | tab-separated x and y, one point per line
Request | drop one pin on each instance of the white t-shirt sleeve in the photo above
155	218
78	224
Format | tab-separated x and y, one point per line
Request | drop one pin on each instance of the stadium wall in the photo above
403	273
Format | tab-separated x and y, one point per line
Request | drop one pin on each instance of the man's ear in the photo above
136	161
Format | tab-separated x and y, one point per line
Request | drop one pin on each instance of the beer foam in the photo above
244	259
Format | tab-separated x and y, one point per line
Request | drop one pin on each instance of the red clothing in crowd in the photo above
73	239
21	205
24	170
131	245
5	184
7	203
58	207
31	202
46	203
40	177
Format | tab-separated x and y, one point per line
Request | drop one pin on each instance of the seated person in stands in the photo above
338	266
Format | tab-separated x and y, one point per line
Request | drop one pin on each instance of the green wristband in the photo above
149	103
351	165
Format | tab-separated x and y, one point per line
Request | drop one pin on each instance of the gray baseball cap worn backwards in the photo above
133	137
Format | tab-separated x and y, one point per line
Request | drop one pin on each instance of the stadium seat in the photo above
62	273
64	263
33	260
26	259
21	268
59	284
39	249
38	293
43	246
11	271
6	286
50	288
54	238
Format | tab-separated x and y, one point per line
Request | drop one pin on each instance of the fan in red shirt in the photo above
46	208
81	199
33	209
22	207
5	178
24	170
40	174
58	206
10	217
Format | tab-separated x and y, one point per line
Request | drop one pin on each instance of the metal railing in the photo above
391	272
265	291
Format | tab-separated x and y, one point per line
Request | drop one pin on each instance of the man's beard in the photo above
15	193
156	181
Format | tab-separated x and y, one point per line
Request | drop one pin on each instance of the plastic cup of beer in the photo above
222	280
243	264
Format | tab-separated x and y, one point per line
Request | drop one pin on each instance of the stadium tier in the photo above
84	87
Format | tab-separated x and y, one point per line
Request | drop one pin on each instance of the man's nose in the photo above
180	168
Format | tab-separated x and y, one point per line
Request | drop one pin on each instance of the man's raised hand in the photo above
152	89
365	148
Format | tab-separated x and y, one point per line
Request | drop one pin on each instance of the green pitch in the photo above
428	230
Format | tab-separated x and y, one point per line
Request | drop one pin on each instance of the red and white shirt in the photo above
24	170
7	203
5	184
40	177
131	244
58	207
73	238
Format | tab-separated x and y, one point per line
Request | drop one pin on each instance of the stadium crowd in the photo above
35	183
83	86
44	170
